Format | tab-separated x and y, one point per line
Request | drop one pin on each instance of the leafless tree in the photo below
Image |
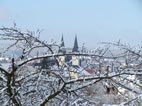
22	85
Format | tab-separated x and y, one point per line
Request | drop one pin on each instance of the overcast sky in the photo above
93	21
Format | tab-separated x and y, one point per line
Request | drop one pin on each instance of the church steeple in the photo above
62	41
62	46
75	47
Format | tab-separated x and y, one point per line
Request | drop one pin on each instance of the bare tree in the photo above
23	85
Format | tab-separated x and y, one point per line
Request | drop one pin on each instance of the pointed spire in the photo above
62	41
75	48
62	46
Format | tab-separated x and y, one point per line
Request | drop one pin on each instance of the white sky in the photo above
92	20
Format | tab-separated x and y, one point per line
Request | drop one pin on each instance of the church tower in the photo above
75	47
75	59
62	50
62	41
62	46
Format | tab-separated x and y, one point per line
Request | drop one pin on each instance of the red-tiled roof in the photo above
90	71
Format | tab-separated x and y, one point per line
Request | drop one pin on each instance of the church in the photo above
70	60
